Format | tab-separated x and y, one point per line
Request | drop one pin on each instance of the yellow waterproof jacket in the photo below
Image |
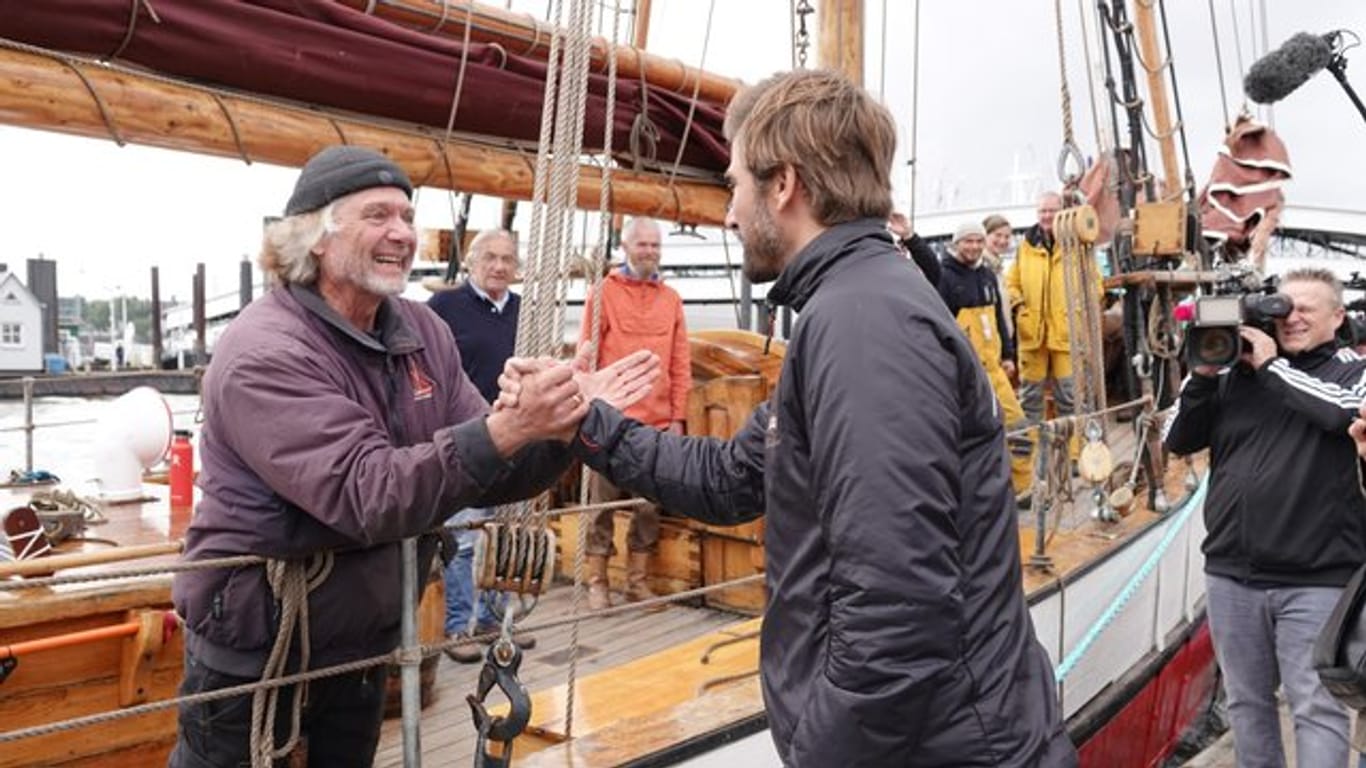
1038	296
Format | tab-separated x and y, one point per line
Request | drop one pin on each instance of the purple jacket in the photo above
315	437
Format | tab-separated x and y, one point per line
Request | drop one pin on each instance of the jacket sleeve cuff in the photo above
477	452
600	430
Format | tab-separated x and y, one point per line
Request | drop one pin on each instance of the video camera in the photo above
1213	337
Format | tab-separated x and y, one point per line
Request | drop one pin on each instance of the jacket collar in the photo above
804	274
391	335
1312	357
483	295
1036	238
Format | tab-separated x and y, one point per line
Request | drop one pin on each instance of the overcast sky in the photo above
989	126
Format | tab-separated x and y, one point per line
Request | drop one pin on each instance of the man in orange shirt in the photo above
638	312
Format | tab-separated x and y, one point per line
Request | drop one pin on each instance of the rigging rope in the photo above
1189	179
1075	230
882	54
290	581
1107	617
599	263
1237	43
915	114
396	656
1219	65
692	104
1101	143
1069	144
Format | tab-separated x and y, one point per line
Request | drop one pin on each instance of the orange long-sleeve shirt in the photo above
645	314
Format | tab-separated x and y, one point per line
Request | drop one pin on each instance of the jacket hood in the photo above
617	275
800	278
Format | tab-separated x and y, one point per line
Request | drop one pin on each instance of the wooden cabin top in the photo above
147	522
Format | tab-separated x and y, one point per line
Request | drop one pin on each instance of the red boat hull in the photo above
1147	726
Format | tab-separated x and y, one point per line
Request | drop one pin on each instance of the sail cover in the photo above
324	53
1242	202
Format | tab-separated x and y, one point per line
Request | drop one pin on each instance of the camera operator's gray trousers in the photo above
1264	636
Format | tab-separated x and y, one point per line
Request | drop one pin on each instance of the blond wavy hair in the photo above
287	247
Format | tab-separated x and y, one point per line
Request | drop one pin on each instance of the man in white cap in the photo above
338	422
973	296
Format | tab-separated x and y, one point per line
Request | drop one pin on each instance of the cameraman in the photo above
1286	523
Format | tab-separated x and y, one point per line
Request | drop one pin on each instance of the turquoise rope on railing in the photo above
1125	595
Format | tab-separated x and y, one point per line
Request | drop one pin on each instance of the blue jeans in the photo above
459	577
1264	637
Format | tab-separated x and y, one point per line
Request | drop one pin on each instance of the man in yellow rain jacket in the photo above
973	295
1038	300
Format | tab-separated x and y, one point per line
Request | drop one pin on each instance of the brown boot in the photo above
637	578
598	598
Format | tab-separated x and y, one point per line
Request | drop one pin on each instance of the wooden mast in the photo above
839	38
46	93
525	35
642	29
1151	61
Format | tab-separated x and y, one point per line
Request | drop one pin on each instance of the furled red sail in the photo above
1242	202
328	54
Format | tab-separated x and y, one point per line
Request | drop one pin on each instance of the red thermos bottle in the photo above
182	470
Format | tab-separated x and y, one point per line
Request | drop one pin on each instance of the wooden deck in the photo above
448	736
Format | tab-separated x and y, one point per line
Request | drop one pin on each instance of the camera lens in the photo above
1214	346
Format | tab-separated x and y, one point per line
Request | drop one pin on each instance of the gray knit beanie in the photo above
339	171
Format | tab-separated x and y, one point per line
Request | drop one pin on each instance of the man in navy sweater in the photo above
482	314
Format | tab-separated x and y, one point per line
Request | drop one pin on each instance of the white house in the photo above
21	335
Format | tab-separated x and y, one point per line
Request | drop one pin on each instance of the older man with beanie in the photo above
338	422
973	294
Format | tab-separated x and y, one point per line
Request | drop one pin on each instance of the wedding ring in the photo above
578	400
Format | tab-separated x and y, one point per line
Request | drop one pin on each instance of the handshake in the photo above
546	399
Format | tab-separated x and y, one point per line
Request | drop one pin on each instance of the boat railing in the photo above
29	426
1052	468
408	656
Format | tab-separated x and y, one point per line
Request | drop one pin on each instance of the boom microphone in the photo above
1276	74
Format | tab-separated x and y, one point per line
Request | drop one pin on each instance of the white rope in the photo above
594	280
1102	135
915	114
882	53
1219	65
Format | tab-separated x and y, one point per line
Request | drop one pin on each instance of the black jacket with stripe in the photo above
1283	504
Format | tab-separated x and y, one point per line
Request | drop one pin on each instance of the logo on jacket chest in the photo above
423	386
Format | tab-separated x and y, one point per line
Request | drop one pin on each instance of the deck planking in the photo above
448	736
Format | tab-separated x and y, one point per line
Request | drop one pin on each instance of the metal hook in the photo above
500	670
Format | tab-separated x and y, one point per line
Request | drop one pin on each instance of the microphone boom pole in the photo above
1338	66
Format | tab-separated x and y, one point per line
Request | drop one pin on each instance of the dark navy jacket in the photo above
486	337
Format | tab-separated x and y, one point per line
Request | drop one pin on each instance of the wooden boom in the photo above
85	99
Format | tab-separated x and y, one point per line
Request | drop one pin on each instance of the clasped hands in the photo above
544	398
